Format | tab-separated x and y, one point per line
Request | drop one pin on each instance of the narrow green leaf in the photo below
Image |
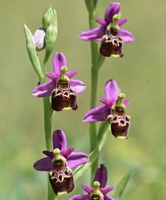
31	49
101	61
120	187
104	130
78	172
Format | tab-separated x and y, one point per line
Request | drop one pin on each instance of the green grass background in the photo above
141	75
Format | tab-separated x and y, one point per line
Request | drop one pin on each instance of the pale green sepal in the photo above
120	187
47	17
79	171
31	49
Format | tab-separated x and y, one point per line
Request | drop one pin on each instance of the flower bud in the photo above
49	22
39	37
48	17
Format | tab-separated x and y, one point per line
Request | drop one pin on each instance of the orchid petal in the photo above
104	101
52	76
106	190
49	154
44	89
87	188
67	152
120	22
109	198
112	9
127	36
77	85
59	140
44	164
97	114
76	158
59	60
80	197
126	101
97	33
38	37
111	90
71	73
101	176
93	34
102	22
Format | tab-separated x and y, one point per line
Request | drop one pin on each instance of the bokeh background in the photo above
141	74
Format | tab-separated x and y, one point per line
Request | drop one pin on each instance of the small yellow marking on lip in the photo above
67	108
115	55
121	137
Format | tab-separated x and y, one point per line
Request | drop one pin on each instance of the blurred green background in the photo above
141	75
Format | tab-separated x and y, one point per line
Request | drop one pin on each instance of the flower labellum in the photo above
111	43
61	177
62	181
120	122
63	97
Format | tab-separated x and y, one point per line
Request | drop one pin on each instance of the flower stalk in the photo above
94	80
48	112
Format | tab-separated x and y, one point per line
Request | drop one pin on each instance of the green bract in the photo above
31	49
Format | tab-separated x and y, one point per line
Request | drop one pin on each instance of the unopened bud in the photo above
39	38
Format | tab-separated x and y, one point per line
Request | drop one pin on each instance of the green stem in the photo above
47	122
94	79
50	195
48	112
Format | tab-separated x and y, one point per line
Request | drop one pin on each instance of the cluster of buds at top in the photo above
120	122
45	36
111	43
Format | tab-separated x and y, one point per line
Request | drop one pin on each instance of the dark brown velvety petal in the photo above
63	97
120	123
62	181
111	44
